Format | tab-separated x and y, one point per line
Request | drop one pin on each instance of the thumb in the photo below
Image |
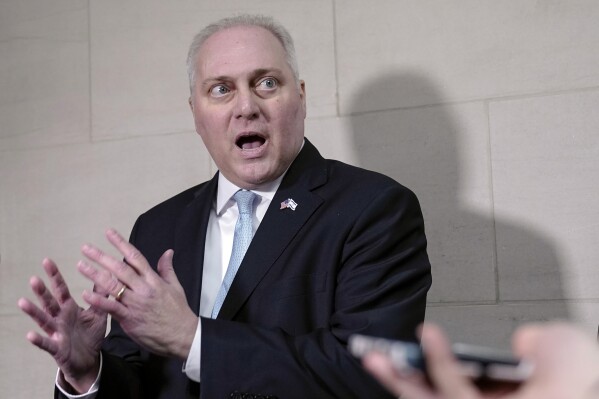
524	341
100	291
165	267
94	309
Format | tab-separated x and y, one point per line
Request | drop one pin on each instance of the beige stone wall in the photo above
486	109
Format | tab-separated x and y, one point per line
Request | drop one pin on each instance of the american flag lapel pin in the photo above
289	203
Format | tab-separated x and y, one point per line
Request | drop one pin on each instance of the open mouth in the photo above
250	142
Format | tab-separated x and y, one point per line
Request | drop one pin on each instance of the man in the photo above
565	361
338	250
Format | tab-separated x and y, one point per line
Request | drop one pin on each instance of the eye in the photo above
268	84
219	90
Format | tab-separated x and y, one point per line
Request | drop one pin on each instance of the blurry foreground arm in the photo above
566	364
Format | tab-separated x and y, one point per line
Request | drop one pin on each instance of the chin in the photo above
255	179
261	171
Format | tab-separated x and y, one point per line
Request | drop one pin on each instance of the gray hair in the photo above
261	21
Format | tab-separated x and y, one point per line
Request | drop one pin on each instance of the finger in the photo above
131	254
102	304
116	267
381	367
59	286
43	343
443	368
104	282
40	317
47	301
166	270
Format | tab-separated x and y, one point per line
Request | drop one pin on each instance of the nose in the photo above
247	105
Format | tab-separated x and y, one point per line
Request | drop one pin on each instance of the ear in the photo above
190	103
302	93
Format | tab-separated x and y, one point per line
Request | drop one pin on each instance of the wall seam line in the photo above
492	200
89	68
335	56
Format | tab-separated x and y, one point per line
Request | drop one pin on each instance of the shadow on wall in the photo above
427	149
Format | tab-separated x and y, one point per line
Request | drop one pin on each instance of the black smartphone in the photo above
481	364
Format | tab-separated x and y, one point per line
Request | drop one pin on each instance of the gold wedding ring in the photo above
119	294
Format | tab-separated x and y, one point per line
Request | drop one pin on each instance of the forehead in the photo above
241	48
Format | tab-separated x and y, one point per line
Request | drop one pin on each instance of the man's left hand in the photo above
150	307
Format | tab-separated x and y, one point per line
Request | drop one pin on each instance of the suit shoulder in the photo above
366	179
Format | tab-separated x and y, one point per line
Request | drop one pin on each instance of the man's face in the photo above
248	108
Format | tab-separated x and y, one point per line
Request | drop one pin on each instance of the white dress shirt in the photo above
219	244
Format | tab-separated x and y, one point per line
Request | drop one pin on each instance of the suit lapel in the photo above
190	239
279	226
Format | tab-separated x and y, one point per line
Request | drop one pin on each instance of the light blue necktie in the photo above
241	241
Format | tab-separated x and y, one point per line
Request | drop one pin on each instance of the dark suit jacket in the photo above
351	258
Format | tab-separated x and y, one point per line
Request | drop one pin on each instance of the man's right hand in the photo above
73	334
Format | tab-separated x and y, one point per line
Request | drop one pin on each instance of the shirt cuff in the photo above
90	394
191	367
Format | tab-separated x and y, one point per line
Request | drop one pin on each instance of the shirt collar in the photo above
226	189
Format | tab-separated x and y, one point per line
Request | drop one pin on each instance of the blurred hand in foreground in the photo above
565	359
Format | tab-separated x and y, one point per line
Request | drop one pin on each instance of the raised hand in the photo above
73	336
565	359
151	307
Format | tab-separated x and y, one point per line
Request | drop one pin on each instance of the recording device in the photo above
482	364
